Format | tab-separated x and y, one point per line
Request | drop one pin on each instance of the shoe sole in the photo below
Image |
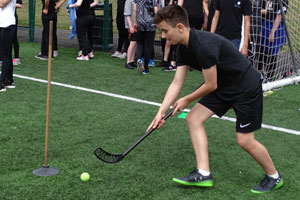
279	185
10	87
140	67
208	183
3	90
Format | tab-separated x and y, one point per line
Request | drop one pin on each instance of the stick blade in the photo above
107	157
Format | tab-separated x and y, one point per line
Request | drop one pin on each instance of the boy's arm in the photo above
4	3
214	22
45	10
180	2
77	4
275	26
94	3
134	12
58	4
18	5
171	95
210	84
206	13
244	49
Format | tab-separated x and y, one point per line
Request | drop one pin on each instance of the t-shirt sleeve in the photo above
127	8
180	56
247	8
217	5
208	56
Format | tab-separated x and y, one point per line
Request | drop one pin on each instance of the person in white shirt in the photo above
7	31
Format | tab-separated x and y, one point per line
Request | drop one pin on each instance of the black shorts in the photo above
248	107
132	37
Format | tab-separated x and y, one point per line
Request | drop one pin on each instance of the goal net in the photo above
274	47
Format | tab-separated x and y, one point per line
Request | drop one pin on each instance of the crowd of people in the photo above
136	30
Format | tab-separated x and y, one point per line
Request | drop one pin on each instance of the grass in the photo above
81	121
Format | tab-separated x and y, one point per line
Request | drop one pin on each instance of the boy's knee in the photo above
243	141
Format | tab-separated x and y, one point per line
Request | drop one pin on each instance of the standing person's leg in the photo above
148	44
90	27
131	51
45	36
90	31
139	50
16	60
121	27
55	47
82	37
6	39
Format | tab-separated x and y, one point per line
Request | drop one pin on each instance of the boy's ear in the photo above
180	26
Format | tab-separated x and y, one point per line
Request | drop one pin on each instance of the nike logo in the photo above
244	125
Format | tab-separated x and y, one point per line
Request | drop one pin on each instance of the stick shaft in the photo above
48	92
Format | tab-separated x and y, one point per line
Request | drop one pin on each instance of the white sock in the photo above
275	176
203	172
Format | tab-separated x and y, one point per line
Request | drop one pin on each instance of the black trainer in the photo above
9	85
268	184
2	88
195	179
129	66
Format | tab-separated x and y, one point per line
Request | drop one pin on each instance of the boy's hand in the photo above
45	11
180	104
157	122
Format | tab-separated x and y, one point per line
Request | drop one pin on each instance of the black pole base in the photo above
45	171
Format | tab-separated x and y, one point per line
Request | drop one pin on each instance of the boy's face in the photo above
173	34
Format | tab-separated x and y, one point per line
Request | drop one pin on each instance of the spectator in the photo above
228	21
84	25
129	24
7	31
144	14
211	14
49	10
16	60
273	36
122	31
255	29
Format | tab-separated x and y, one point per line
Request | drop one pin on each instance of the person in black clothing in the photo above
228	20
211	14
16	60
230	82
273	36
49	10
84	24
122	31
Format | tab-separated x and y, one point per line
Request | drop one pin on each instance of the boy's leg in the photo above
195	121
248	142
201	176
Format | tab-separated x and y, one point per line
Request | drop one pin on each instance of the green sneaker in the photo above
268	184
195	179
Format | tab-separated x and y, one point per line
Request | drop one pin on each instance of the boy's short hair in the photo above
172	15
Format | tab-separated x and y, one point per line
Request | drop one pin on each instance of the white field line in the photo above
285	130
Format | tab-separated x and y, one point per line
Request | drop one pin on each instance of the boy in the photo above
228	21
230	82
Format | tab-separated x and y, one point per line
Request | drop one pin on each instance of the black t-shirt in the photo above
231	17
51	7
235	73
273	9
85	8
194	8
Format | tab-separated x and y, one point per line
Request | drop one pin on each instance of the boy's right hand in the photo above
157	122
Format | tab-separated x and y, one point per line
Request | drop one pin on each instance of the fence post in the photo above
31	12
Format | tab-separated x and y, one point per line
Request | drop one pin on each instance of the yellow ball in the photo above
85	176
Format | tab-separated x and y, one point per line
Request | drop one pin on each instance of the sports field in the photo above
98	103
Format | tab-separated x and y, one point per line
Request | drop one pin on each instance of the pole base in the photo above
45	171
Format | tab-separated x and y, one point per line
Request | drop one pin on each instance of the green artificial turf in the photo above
80	121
